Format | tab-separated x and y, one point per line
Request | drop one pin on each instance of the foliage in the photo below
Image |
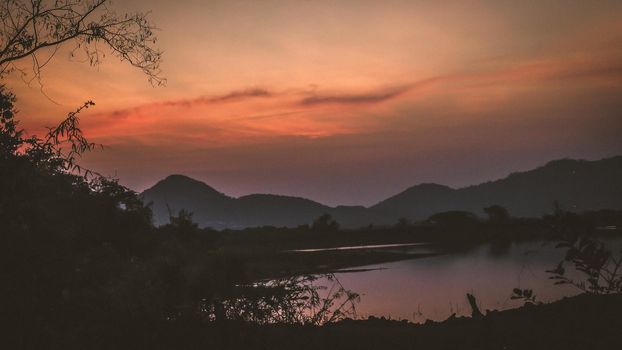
11	136
454	218
290	300
403	223
525	295
32	28
497	214
598	265
68	243
325	223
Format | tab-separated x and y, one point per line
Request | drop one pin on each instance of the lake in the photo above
435	287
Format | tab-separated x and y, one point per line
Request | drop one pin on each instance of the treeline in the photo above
452	228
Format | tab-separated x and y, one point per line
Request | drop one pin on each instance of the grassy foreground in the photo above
581	322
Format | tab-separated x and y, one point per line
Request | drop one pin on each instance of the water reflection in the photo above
359	247
435	287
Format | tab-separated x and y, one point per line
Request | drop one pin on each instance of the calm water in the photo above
357	247
435	287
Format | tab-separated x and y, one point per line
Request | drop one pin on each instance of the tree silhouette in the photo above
10	135
455	218
403	223
65	235
29	27
325	223
497	214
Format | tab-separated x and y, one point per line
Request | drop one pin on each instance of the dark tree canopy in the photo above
325	223
497	213
453	218
37	29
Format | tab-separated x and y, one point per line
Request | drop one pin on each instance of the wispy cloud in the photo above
354	98
242	94
233	96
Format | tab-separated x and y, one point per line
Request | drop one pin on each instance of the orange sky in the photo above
349	101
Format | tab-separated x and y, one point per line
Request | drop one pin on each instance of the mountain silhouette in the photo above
178	192
577	185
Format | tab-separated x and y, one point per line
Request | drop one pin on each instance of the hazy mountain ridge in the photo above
578	185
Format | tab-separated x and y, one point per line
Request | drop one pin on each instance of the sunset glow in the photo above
347	102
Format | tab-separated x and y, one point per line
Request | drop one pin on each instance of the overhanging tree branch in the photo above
28	27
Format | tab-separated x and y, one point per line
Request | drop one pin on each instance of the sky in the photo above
347	102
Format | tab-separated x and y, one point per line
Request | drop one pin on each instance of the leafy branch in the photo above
602	270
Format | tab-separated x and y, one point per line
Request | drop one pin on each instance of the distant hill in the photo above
578	185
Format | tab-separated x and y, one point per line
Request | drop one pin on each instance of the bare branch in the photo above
28	30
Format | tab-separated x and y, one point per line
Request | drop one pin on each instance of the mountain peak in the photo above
176	184
418	193
429	186
179	178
